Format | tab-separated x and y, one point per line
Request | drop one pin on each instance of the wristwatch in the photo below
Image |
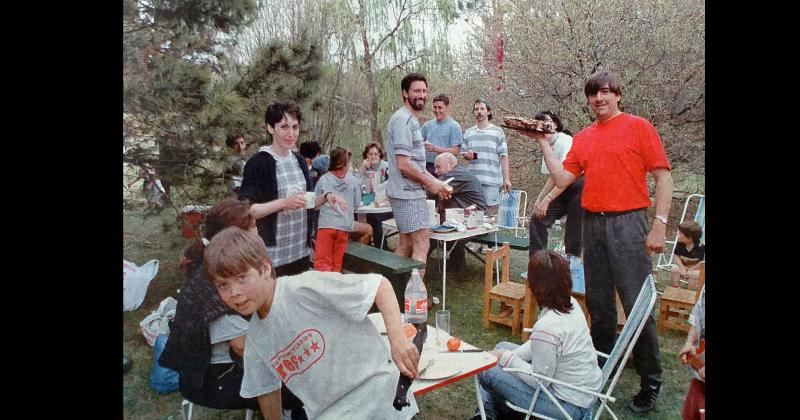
663	219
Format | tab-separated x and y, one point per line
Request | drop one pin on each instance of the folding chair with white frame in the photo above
187	408
508	213
641	311
664	260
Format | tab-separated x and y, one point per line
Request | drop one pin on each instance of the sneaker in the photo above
646	399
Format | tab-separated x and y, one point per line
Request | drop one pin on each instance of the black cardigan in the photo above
260	185
188	349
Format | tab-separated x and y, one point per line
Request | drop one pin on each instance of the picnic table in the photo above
444	238
462	365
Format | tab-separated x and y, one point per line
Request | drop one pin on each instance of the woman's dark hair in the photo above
276	111
339	157
692	230
600	78
370	145
310	149
228	212
559	125
550	280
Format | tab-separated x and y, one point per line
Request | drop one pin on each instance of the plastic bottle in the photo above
416	299
556	239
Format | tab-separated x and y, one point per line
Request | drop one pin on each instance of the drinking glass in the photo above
442	327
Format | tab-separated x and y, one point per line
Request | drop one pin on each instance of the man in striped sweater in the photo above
487	152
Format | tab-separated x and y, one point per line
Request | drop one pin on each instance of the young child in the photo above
695	400
688	253
335	225
311	332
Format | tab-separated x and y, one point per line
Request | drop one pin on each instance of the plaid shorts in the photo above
410	215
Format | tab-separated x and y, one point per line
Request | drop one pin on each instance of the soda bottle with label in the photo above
416	299
556	239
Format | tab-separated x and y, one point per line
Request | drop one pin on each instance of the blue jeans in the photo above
498	386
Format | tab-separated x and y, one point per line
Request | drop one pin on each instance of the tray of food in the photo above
529	125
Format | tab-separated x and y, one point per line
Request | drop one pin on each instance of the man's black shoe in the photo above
646	399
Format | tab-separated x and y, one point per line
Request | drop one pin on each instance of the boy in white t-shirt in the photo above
311	332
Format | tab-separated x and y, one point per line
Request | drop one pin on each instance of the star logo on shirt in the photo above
305	350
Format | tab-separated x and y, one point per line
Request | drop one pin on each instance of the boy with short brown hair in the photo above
311	332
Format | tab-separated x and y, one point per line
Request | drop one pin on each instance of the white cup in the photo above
310	198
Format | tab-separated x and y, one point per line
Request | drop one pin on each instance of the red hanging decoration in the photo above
500	44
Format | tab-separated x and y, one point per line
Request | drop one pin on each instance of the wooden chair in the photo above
510	295
676	305
621	318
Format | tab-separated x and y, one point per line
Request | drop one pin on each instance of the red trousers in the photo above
695	400
329	253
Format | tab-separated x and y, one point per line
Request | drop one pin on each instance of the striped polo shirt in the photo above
490	144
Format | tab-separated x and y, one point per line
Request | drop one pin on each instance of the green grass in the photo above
158	237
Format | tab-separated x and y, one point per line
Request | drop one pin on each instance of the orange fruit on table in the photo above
410	330
453	344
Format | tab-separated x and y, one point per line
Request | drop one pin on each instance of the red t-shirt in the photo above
616	156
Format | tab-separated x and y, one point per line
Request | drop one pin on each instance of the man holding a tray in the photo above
615	153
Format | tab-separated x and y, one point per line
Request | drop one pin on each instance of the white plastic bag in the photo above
158	321
135	281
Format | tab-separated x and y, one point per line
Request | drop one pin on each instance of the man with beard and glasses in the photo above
408	178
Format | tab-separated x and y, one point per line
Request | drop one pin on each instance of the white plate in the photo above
440	370
377	321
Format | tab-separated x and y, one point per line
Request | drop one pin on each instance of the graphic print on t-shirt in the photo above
303	352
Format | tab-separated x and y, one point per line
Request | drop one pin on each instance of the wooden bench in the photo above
360	258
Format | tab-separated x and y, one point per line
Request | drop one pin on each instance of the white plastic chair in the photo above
508	213
664	260
187	407
619	355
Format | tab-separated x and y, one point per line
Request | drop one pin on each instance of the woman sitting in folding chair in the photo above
559	347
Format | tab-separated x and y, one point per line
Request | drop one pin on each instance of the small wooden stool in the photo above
677	304
510	295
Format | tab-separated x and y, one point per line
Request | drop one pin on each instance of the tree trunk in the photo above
373	92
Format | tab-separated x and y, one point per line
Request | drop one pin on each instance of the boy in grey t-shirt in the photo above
311	332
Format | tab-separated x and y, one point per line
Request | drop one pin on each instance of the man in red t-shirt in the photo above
614	154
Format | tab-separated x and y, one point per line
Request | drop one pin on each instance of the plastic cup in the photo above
442	327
